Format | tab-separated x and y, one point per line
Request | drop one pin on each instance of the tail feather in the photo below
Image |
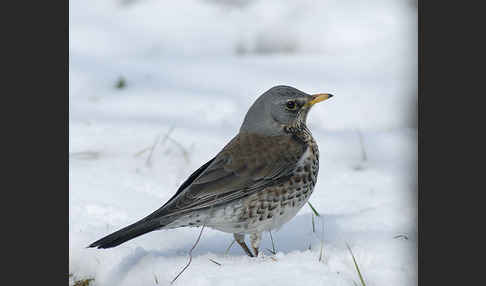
127	233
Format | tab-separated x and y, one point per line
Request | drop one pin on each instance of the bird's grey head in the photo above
279	107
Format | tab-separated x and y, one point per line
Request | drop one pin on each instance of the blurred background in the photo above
157	88
364	51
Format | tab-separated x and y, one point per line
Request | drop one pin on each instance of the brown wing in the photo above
248	164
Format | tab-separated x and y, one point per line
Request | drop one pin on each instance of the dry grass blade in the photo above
121	83
271	251
318	215
85	155
313	224
356	265
185	153
313	209
149	158
83	282
190	256
229	247
321	254
166	136
273	243
142	151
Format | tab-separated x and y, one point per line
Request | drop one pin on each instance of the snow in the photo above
192	69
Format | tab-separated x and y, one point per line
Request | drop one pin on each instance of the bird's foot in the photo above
255	250
240	238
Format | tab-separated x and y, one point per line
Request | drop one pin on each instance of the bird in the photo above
256	183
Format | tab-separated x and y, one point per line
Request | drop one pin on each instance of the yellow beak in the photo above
318	98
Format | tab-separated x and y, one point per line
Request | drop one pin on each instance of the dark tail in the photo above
127	233
156	220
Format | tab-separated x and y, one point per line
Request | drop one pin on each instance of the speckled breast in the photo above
276	205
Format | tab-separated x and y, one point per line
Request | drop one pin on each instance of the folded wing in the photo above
248	164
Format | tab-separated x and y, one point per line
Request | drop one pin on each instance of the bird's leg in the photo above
240	238
255	239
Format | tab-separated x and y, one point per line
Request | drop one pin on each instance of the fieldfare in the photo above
257	182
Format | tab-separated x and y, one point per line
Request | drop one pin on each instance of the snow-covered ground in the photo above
192	69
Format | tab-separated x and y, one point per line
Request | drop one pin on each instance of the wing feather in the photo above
248	164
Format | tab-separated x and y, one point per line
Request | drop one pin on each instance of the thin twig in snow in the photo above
215	262
190	255
151	147
148	162
157	142
167	134
185	153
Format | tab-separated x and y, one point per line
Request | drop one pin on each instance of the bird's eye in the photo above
291	105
